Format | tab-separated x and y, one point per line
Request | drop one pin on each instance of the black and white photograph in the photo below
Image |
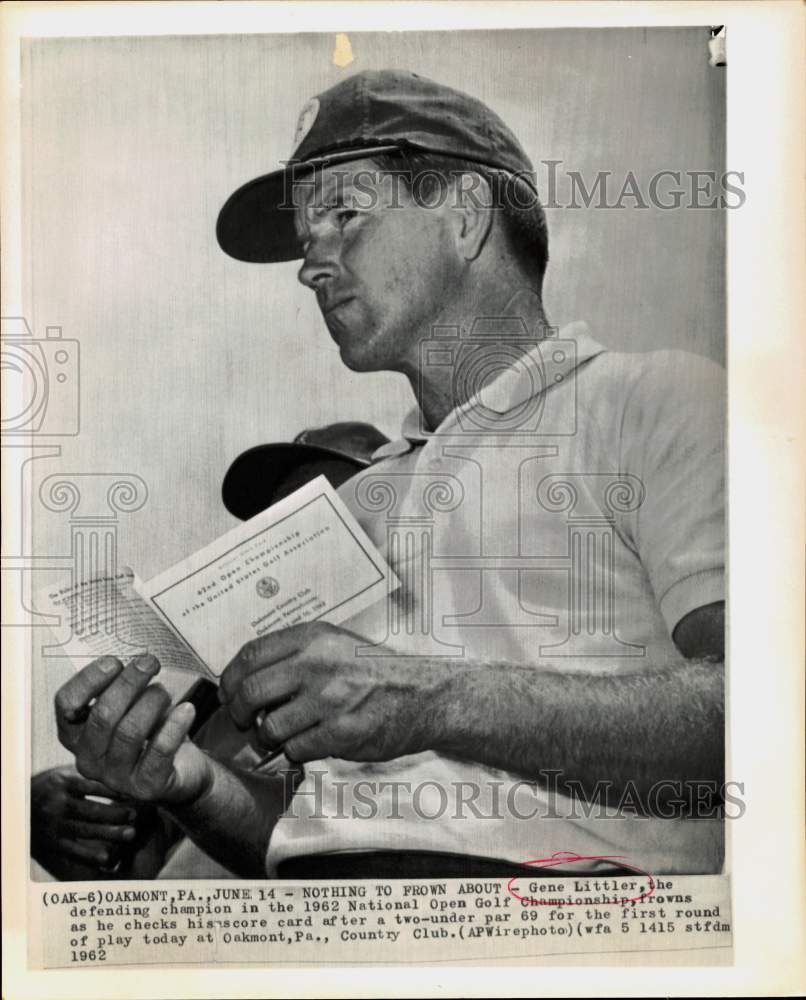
365	443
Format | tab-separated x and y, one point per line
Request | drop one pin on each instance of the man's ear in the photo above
473	213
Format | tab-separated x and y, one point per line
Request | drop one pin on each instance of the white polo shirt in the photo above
570	514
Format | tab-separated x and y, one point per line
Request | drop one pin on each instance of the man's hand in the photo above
124	734
118	725
322	700
68	830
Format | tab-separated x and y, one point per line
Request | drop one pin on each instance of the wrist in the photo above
196	792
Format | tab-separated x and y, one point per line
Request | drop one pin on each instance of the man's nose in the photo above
321	261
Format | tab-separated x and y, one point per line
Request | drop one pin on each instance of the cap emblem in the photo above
305	122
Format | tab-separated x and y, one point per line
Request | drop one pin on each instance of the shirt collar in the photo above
550	365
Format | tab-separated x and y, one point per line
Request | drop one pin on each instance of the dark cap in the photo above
374	112
253	479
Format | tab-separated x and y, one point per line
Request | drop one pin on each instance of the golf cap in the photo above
255	476
370	113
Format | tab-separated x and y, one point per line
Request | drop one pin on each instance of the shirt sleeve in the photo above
673	440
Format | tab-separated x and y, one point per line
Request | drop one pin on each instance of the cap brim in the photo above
252	479
256	223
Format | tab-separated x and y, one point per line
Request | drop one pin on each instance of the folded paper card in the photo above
304	559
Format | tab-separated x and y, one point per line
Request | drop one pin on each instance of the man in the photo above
554	512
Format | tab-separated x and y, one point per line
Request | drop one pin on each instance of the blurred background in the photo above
131	146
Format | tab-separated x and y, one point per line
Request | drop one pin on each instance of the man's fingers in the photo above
263	689
156	767
114	703
100	812
288	720
94	852
134	729
99	831
310	745
80	786
256	655
73	698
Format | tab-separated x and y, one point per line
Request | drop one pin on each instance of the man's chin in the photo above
356	361
356	346
350	350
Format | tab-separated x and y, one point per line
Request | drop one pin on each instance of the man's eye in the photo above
344	215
